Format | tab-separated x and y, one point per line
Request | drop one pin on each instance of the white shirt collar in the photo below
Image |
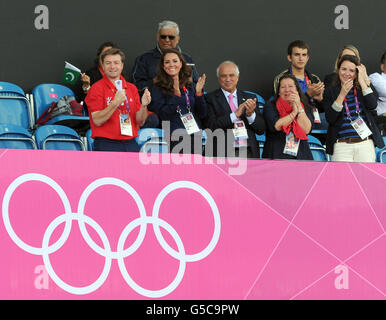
226	93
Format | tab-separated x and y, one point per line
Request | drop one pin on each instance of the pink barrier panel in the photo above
82	225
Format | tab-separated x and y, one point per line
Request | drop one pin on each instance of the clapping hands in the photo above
248	106
316	90
200	84
146	98
294	100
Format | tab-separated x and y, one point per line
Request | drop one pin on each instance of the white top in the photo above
379	82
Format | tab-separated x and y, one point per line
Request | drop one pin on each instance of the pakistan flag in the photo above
70	73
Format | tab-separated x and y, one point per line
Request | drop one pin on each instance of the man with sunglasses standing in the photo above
146	65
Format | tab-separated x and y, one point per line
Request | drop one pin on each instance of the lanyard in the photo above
187	101
114	90
127	107
187	98
308	82
356	105
126	103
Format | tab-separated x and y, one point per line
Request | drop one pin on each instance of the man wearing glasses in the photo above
146	65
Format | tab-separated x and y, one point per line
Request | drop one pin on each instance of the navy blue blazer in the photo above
165	106
275	140
335	119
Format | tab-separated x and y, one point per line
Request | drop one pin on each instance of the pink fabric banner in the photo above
90	225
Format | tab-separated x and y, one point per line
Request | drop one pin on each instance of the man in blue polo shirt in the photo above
146	65
313	88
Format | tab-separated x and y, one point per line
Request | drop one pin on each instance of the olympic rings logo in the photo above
68	217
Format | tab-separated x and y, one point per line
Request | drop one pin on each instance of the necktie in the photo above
238	142
231	103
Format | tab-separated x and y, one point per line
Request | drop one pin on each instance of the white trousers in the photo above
354	152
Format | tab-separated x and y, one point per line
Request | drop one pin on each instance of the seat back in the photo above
317	149
155	147
151	140
381	153
260	100
90	140
57	137
14	106
319	154
15	137
261	141
381	156
46	93
320	128
313	141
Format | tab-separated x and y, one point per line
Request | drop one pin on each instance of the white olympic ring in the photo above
106	252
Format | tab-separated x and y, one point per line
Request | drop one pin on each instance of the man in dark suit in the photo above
232	111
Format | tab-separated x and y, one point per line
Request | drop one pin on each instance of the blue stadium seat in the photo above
57	137
46	93
381	153
14	106
204	139
317	149
260	100
261	141
320	128
15	137
90	141
151	140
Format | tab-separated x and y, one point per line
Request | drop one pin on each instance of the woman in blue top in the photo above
352	132
177	100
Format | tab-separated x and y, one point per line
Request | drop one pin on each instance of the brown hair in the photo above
355	61
164	81
298	44
303	98
113	52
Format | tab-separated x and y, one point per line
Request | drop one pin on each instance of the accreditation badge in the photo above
190	123
315	112
291	145
240	133
361	128
126	127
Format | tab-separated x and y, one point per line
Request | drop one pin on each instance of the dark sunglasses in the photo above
164	36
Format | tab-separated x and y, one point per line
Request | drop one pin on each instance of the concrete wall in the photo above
253	33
